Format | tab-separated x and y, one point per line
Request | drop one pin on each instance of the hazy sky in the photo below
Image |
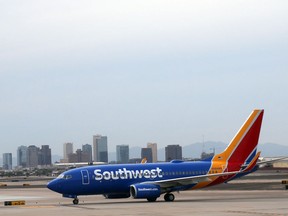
140	71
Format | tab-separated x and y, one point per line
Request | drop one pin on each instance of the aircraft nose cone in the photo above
54	185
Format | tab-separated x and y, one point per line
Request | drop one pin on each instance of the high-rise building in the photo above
122	154
67	149
153	146
22	156
173	152
32	156
78	156
45	156
100	148
73	158
7	161
87	149
146	153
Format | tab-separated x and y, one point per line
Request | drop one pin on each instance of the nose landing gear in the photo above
75	201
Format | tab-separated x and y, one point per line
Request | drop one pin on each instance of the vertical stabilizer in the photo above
242	149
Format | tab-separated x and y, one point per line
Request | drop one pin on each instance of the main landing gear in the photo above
75	201
169	197
151	199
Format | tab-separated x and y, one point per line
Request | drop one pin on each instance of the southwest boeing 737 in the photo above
150	180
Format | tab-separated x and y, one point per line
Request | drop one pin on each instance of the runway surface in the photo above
41	201
260	193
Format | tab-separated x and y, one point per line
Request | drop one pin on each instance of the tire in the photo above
169	197
75	201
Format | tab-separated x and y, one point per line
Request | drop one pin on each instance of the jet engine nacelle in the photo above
145	191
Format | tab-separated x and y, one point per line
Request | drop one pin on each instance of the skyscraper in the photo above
153	146
67	149
7	161
22	156
100	148
87	149
146	153
122	154
173	152
32	156
78	156
45	155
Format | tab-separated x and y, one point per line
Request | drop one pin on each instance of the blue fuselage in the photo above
107	179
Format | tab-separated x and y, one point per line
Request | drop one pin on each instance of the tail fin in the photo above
242	149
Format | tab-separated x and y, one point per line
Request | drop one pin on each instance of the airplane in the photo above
151	180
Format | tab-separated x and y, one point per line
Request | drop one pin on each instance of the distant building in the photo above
146	153
173	152
87	149
78	157
7	161
100	148
67	149
45	156
72	158
22	156
153	146
205	155
32	156
122	154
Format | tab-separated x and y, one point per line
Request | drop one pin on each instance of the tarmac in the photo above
260	194
41	201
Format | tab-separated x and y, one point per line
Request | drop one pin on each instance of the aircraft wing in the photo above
271	161
191	179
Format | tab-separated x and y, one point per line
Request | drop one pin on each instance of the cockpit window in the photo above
67	176
61	176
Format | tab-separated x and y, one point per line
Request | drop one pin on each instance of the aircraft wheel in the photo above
169	197
75	201
152	199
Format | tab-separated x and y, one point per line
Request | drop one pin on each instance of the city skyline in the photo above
191	151
33	156
138	72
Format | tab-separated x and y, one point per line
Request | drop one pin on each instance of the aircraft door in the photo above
85	177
